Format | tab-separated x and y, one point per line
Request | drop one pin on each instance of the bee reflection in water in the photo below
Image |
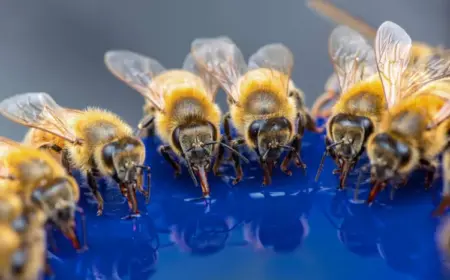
277	221
133	256
383	232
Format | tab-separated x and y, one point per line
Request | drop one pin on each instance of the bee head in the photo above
57	199
387	155
271	137
349	134
196	142
122	157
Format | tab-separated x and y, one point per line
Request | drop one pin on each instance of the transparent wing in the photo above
190	64
7	145
352	57
40	111
332	84
223	60
442	115
137	71
431	70
274	57
392	50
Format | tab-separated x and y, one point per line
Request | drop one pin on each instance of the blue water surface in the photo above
293	229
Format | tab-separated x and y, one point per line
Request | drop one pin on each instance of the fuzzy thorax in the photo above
185	105
96	127
275	86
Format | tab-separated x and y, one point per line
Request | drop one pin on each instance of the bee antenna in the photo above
229	148
325	154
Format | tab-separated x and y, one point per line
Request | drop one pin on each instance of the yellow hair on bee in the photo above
257	81
184	87
365	91
89	126
21	163
9	243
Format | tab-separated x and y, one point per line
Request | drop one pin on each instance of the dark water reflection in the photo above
294	229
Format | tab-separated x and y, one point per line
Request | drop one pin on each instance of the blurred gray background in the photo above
58	46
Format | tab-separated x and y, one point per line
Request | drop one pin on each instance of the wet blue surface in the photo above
294	229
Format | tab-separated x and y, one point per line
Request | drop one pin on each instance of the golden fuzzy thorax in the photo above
254	82
96	127
30	166
365	99
182	87
9	243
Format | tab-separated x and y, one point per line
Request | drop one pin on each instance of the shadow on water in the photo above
273	220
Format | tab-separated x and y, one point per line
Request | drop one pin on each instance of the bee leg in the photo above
65	161
237	160
297	143
227	130
267	171
165	150
219	159
430	168
445	200
92	182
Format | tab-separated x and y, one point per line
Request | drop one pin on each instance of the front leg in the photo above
445	201
296	148
65	161
237	160
227	126
430	167
92	182
165	150
219	158
267	171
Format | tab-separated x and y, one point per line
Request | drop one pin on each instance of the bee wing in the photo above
223	60
275	57
352	57
420	76
332	84
392	51
7	145
39	110
442	115
190	64
137	71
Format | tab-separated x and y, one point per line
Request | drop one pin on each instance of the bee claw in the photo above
287	172
131	216
99	212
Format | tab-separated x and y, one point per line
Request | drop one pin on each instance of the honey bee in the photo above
420	52
95	141
42	184
357	112
187	119
266	118
23	247
416	100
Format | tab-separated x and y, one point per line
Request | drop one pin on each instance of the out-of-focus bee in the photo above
406	138
420	52
266	118
95	141
23	247
358	110
187	119
42	183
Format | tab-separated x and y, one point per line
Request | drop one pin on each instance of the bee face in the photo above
387	156
271	136
351	133
194	141
122	156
